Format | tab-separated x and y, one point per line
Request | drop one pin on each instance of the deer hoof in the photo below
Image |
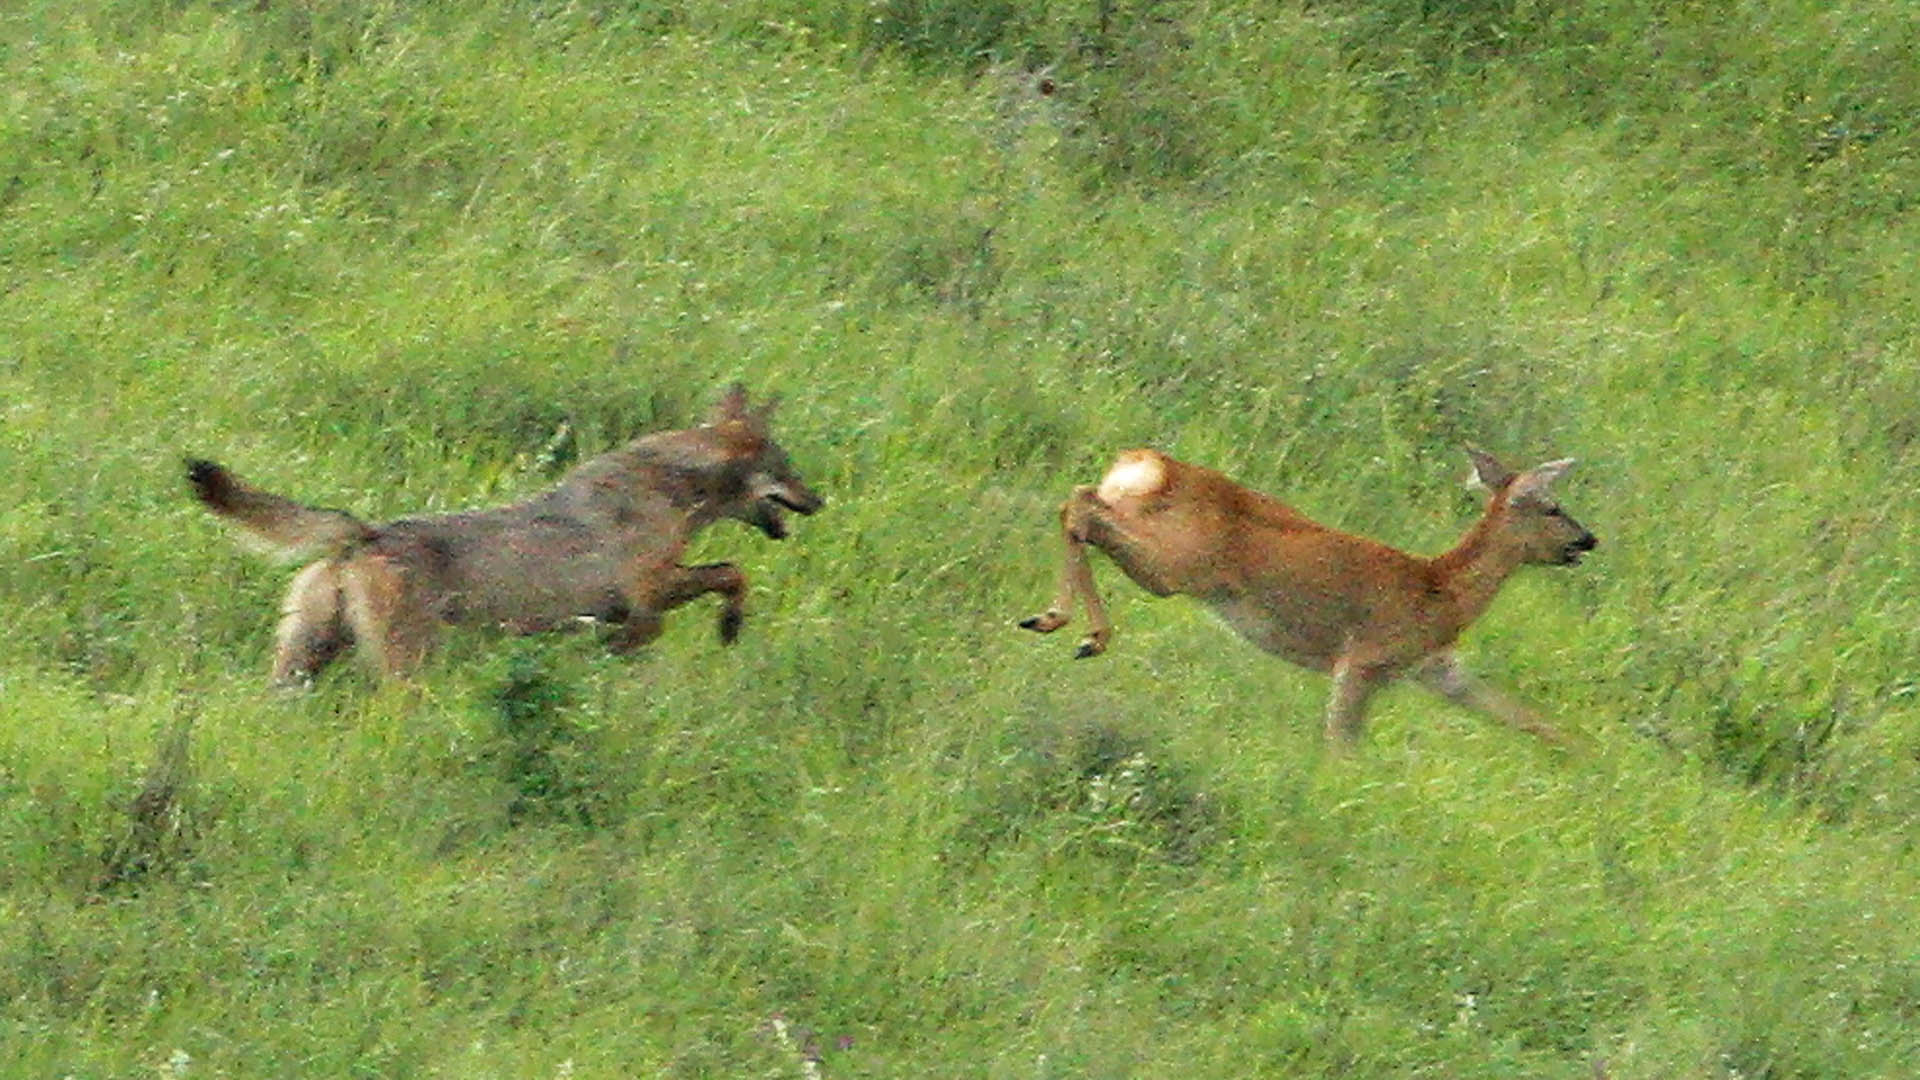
1044	623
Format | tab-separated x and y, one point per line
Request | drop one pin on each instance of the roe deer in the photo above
603	545
1321	598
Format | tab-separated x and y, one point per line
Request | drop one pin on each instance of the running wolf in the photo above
605	544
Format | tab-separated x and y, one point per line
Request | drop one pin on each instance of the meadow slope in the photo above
379	255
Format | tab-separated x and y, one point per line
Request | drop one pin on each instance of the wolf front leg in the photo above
1080	515
660	589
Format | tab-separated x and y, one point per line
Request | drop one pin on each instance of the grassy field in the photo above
376	254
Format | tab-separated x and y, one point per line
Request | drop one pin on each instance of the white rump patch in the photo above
1141	475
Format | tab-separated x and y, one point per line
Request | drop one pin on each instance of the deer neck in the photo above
1475	569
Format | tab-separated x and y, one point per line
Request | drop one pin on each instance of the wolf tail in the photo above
285	527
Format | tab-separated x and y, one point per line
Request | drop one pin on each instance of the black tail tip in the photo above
209	479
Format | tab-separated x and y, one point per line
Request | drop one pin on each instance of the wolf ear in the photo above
1487	470
764	414
731	406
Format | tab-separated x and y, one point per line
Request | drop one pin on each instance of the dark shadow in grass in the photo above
1089	787
545	760
157	834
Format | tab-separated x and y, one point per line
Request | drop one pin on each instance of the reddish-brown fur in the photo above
1321	598
604	544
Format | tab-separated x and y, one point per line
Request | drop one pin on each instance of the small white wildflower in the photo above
1468	1007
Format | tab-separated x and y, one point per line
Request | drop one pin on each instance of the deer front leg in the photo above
1077	516
1444	676
660	589
1354	684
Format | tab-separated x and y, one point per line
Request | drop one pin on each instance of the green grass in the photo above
375	255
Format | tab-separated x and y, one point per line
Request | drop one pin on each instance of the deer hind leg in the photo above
313	629
661	589
1079	515
1445	676
389	615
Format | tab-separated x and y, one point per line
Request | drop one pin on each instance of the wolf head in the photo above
769	486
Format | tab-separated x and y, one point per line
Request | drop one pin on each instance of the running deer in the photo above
1320	598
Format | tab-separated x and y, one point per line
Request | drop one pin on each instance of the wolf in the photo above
603	545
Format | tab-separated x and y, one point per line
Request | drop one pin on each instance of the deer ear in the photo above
1487	470
1535	481
731	406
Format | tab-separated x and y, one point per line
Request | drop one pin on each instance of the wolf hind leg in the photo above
389	617
313	629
